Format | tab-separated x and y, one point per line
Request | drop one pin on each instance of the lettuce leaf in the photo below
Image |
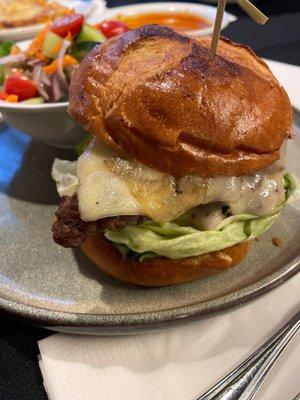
5	48
169	239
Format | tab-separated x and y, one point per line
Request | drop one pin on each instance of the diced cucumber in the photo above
80	50
34	100
90	34
52	44
5	48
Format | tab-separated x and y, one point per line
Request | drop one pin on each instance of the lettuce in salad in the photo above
170	239
5	48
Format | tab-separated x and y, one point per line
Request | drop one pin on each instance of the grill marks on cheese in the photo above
111	186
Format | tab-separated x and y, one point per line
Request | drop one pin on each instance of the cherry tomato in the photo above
112	28
3	95
20	85
70	23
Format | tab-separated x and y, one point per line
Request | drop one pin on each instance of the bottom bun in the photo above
160	271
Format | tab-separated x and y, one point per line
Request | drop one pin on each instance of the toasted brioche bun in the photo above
160	271
153	92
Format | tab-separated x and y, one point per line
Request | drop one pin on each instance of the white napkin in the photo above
183	362
289	76
179	363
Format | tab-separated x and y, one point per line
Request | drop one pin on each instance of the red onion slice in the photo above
55	88
37	70
33	61
12	58
60	70
45	79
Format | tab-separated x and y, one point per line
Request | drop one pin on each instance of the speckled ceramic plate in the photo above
61	289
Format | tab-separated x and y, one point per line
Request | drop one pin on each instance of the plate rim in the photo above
207	11
32	29
145	321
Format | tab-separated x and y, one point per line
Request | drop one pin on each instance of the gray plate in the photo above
62	290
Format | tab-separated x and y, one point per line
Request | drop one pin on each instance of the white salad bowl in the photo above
48	122
207	12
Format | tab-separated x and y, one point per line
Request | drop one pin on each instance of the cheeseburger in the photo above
186	164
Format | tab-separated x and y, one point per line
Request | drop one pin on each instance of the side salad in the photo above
42	72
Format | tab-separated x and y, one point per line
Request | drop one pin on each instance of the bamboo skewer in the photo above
217	26
253	11
247	6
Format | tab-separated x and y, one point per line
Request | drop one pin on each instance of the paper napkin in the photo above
289	76
177	364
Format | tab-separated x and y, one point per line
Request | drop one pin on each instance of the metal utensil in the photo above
245	380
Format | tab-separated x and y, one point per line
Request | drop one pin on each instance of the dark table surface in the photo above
20	377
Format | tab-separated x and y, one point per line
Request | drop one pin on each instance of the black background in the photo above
20	377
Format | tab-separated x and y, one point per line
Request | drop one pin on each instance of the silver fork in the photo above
245	380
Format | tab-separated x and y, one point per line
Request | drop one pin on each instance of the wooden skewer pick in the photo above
247	6
217	26
253	11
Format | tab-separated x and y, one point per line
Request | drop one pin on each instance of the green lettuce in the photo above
5	48
169	239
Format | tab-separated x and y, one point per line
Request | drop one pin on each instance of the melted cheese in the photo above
64	173
111	186
102	193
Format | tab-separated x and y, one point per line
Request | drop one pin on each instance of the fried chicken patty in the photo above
69	230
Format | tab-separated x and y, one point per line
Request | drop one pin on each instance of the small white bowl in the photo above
48	122
208	12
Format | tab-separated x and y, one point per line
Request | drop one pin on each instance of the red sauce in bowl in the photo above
180	21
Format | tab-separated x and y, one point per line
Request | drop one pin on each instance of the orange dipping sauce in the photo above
179	21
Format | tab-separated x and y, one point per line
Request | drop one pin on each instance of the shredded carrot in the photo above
69	60
37	43
69	36
56	48
52	67
40	56
12	98
14	50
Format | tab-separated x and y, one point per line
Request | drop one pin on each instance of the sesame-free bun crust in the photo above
160	271
167	101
